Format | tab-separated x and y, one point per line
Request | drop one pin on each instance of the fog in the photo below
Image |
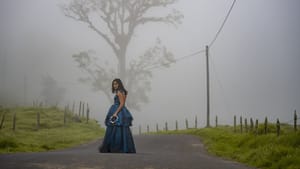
254	62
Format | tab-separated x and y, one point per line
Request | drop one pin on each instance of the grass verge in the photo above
266	151
52	133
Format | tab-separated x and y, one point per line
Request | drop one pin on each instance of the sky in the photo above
254	63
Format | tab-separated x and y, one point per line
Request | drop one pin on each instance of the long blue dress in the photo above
118	137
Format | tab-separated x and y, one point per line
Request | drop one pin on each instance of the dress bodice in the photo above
116	100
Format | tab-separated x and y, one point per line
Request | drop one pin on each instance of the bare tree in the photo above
116	21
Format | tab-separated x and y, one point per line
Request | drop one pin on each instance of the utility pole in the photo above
207	88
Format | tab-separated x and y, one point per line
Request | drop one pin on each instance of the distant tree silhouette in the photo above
115	21
51	92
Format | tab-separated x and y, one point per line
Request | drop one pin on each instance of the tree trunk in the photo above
122	61
122	67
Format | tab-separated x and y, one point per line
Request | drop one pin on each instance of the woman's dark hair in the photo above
120	88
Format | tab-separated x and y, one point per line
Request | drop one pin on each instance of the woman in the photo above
118	137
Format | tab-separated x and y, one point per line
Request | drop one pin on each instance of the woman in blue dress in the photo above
118	137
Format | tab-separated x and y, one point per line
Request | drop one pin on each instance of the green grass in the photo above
258	150
51	135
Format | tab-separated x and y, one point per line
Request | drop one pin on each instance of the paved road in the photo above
153	152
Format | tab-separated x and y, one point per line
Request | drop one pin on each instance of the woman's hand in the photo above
115	114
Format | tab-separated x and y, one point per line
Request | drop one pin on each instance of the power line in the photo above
193	54
177	59
219	31
201	51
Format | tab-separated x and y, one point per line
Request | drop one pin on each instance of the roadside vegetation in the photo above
266	151
56	129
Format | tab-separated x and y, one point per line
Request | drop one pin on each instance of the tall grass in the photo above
266	151
51	135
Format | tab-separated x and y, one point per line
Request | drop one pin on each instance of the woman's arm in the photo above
122	102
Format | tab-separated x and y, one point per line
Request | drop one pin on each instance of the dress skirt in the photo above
118	137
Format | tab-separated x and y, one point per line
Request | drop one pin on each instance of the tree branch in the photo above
174	18
79	11
99	76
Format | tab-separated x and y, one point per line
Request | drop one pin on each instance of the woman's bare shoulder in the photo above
120	92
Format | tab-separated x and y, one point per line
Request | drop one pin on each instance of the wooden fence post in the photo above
278	127
295	120
256	126
14	122
65	116
79	111
246	125
176	125
87	114
241	124
148	129
234	123
266	125
251	125
196	122
186	124
2	120
216	121
37	120
166	126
